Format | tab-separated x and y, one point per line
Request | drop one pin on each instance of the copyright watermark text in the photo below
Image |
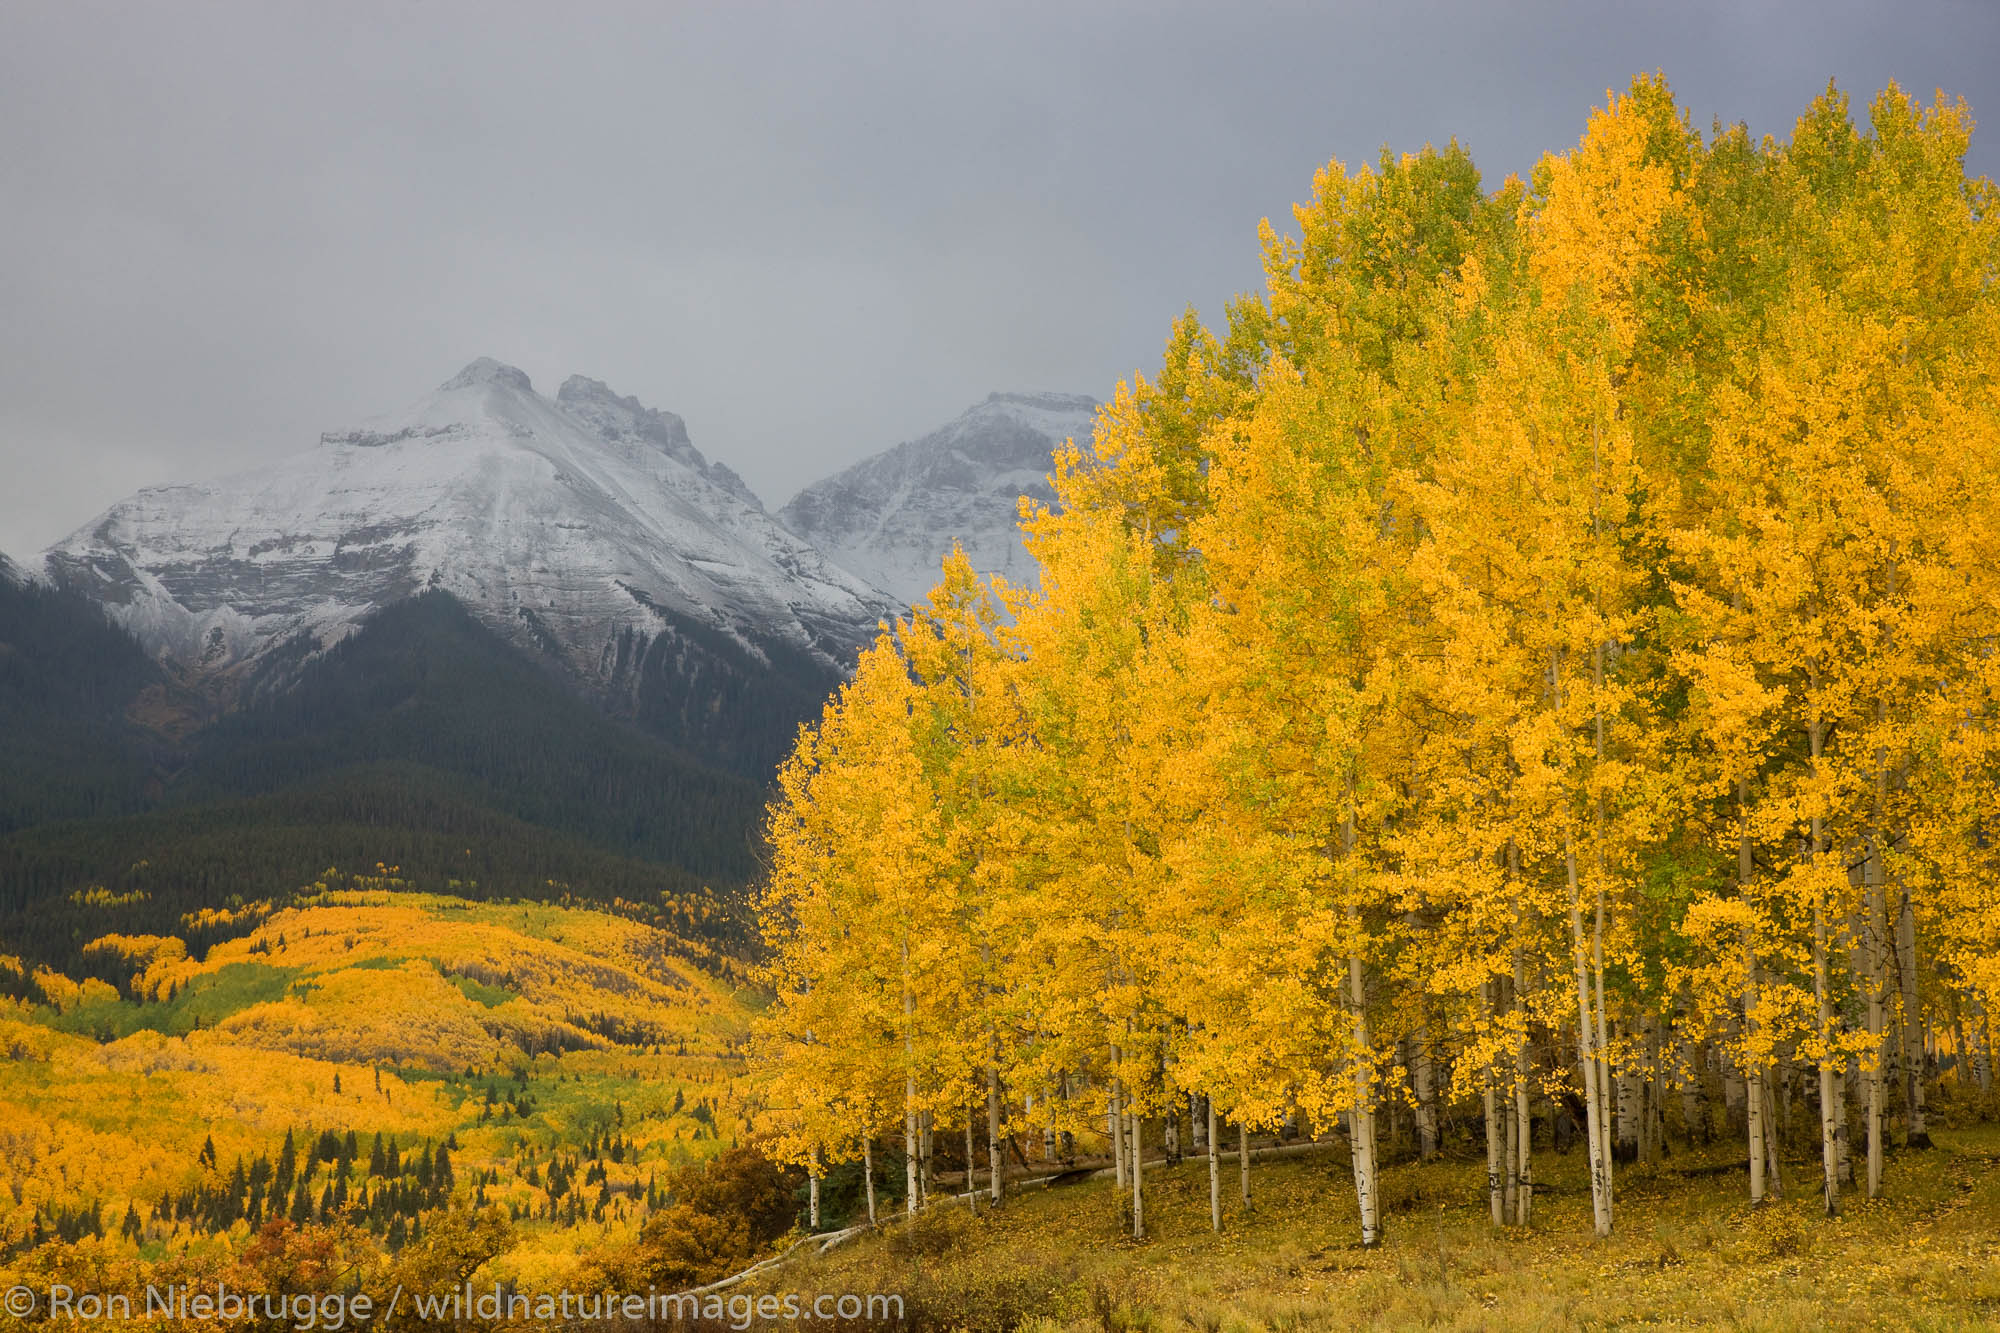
332	1312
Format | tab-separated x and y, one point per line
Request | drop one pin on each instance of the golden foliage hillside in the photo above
544	1044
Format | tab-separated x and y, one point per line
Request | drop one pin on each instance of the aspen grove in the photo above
1537	664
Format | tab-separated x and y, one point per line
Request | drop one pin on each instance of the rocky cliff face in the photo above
892	517
586	527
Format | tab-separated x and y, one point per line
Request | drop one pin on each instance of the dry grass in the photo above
1689	1252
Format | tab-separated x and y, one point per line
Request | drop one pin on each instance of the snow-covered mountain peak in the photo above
891	518
586	527
485	370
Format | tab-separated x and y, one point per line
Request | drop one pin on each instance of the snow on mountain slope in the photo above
892	518
587	527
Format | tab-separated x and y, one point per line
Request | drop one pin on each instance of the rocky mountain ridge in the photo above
891	518
586	528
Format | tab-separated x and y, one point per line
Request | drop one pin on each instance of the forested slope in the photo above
67	678
424	683
422	741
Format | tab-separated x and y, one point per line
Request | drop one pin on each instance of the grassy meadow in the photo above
1689	1252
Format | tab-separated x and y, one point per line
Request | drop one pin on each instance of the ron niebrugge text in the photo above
331	1312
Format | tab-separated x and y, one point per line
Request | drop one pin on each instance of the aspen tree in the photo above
853	910
1569	582
967	718
1306	536
1592	247
1098	936
1214	1167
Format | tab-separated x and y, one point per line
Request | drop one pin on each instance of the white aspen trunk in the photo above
1875	945
1853	1092
1496	1137
1829	1125
1660	1090
1114	1129
868	1175
1753	1077
995	1167
1604	1079
971	1171
1604	1046
1630	1114
1521	1132
1363	1114
812	1196
1755	1103
1115	1124
1199	1121
1593	1086
1829	1128
1171	1133
910	1185
1362	1117
1496	1150
926	1154
1775	1125
1983	1066
1590	1036
1524	1135
1650	1087
1694	1102
1753	1074
1878	1027
1066	1139
1214	1164
1138	1180
1850	1089
1243	1161
1829	1075
1653	1120
913	1191
1510	1130
1649	1105
1423	1082
1662	1132
1918	1133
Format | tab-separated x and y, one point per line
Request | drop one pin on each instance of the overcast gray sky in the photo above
812	230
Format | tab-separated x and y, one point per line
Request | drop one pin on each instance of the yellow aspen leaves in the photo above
1542	655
